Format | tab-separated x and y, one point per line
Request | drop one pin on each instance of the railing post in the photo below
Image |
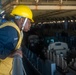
18	68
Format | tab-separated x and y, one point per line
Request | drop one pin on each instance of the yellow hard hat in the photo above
23	11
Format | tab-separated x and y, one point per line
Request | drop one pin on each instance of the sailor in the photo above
11	36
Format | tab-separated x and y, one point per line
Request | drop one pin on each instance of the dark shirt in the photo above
8	41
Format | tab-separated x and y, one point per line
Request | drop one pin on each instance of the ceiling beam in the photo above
52	7
49	7
44	2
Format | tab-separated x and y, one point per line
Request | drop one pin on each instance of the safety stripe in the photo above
12	24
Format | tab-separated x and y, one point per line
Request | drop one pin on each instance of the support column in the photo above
66	24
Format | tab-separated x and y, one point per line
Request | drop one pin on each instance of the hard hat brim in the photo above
32	20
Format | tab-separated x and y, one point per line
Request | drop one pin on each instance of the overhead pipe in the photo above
36	1
61	1
17	1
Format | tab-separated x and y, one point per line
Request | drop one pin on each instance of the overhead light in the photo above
1	11
63	21
54	21
71	20
3	16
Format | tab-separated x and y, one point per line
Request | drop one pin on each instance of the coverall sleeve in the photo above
8	41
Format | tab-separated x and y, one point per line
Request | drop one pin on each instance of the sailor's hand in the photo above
17	52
